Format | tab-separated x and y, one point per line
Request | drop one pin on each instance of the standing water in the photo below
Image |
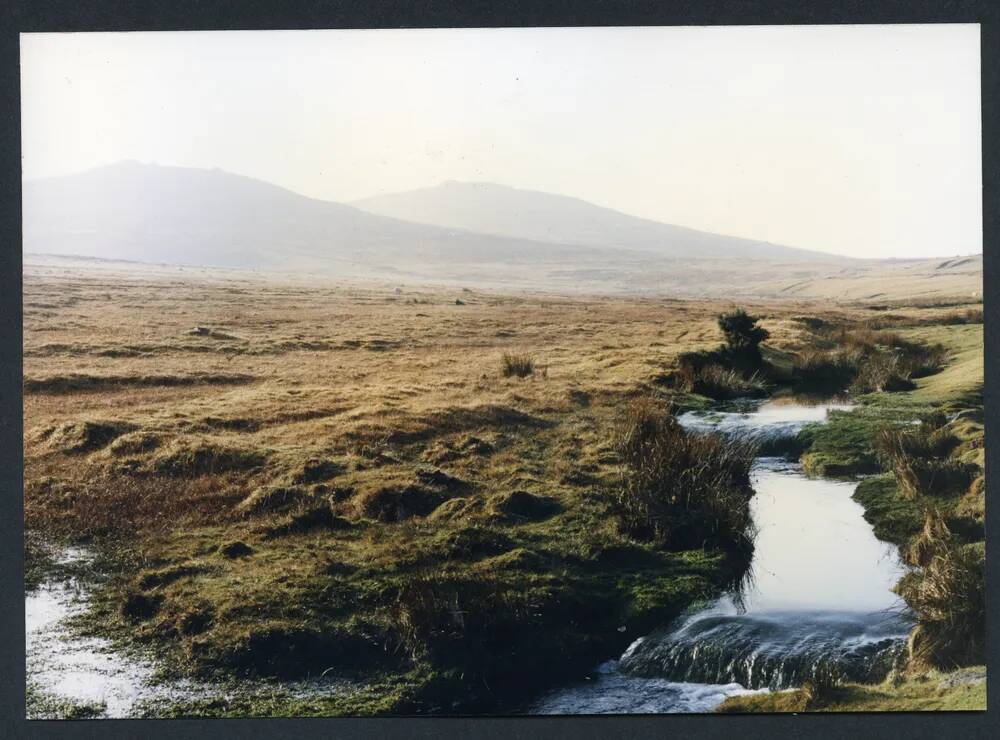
70	670
818	602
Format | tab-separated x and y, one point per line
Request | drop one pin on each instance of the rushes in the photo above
947	590
919	460
682	490
865	361
721	383
949	598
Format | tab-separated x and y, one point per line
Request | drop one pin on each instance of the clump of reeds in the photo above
720	383
932	539
918	458
516	365
949	599
682	490
865	360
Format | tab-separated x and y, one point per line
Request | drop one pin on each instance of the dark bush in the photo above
741	330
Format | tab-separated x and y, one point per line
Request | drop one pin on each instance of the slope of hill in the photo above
544	217
181	215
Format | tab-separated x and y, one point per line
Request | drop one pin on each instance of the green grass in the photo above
893	517
960	383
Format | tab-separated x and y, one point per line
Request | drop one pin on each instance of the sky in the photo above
857	140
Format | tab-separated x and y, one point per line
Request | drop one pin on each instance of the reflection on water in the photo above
819	597
813	547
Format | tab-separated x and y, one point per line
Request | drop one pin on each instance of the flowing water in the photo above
817	604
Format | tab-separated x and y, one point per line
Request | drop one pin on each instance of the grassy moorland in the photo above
421	490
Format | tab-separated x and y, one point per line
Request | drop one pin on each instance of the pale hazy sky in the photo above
859	140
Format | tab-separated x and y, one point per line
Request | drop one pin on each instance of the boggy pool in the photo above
817	601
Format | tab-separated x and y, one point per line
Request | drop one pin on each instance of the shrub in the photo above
949	599
733	369
519	365
741	330
682	490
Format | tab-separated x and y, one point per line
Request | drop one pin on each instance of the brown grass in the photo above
516	365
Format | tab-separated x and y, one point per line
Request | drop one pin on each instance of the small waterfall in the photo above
773	650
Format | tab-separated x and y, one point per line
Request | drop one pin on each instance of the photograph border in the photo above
148	15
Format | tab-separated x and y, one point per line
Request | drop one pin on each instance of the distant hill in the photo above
544	217
210	218
181	215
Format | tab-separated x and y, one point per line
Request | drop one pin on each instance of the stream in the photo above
818	601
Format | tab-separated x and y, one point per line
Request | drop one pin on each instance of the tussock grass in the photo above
864	360
919	460
135	443
516	365
927	692
78	437
396	503
934	538
273	498
720	383
524	505
949	598
122	507
198	457
682	490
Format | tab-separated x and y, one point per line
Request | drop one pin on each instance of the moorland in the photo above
426	489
